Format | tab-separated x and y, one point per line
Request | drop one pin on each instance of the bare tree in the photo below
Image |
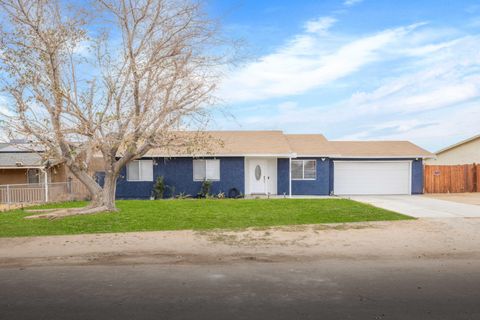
114	85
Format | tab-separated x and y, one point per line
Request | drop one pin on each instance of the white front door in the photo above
258	176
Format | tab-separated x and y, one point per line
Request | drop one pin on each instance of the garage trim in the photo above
376	161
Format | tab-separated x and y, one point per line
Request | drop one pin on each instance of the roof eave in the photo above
280	155
453	146
385	157
21	167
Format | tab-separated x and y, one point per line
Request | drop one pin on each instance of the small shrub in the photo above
205	189
159	188
171	191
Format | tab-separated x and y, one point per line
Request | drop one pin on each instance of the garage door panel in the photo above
372	177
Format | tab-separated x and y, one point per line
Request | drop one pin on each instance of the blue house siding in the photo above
319	186
417	172
323	185
178	174
417	176
282	176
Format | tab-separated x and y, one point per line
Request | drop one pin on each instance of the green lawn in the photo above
146	215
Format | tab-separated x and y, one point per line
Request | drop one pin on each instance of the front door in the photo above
258	176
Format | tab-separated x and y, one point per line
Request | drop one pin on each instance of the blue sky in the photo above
355	70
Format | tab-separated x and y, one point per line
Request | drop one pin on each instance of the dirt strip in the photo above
424	238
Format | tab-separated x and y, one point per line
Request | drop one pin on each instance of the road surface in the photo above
423	269
312	289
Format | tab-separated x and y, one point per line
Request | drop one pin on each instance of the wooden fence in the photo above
37	193
452	179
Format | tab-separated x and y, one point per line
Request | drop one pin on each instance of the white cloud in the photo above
433	100
305	63
350	3
320	25
433	130
424	86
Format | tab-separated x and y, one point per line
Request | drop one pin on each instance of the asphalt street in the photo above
417	288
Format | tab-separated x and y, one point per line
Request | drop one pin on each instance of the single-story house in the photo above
26	175
463	152
274	163
21	163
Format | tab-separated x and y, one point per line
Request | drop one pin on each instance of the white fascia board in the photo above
375	161
290	155
334	156
318	156
23	167
381	157
264	155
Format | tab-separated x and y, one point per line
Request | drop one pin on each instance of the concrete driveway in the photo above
467	198
421	206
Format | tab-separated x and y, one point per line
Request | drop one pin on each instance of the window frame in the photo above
303	161
140	176
37	176
205	169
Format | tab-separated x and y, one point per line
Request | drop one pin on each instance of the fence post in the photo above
69	185
475	177
45	183
8	194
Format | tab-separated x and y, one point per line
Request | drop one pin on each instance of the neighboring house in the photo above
27	176
24	163
271	162
463	152
21	163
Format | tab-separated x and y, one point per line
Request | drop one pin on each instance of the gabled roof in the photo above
23	147
20	159
310	144
237	143
459	144
372	149
276	143
21	155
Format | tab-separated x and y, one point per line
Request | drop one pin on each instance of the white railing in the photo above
37	193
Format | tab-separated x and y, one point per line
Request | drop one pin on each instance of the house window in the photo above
140	170
206	170
304	169
33	176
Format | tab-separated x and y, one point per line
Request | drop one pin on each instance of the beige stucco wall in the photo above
13	176
95	165
19	176
464	154
59	173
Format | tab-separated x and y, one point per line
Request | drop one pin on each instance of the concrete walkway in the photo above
422	206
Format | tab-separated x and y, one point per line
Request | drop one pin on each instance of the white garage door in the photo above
371	177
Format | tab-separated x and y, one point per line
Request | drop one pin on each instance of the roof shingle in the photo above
251	143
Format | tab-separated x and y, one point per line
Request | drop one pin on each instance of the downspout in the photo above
290	176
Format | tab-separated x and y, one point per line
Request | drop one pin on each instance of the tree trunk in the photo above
106	198
103	200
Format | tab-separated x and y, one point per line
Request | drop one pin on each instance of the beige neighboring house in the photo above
463	152
21	163
27	177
